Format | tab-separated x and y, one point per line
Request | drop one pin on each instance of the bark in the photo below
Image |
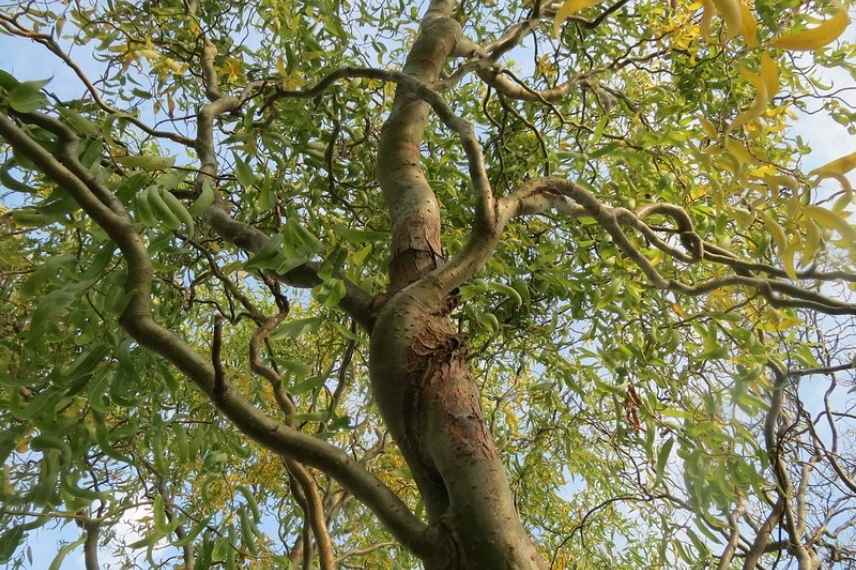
423	387
762	537
416	247
90	546
419	372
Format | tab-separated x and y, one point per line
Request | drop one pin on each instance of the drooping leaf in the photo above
663	459
27	96
838	167
817	37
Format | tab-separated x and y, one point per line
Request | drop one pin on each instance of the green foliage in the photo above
594	384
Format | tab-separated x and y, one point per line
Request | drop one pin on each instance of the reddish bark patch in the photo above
442	396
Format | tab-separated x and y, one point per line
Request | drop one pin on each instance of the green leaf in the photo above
358	258
301	241
268	257
146	161
26	97
243	173
56	564
79	123
194	532
509	292
221	550
9	542
50	268
7	81
204	201
663	459
50	307
296	327
251	501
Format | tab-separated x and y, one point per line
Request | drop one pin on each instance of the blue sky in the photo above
26	60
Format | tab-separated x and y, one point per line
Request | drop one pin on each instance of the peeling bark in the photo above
422	384
419	373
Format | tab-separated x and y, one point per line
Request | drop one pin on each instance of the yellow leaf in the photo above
707	17
776	182
793	206
748	25
830	220
774	320
786	250
708	127
731	13
756	109
817	37
841	204
788	257
811	245
739	152
838	167
568	9
777	233
743	217
770	75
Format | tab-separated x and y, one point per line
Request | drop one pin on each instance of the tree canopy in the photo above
366	284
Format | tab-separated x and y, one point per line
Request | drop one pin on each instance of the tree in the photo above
576	301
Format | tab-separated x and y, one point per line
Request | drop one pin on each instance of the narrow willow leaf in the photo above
296	327
748	24
204	201
194	532
776	231
56	564
251	501
759	105
146	161
48	269
177	208
162	212
831	220
358	258
243	173
770	75
11	183
838	167
811	243
508	291
708	127
730	11
9	542
788	254
27	96
663	459
815	38
776	182
707	17
79	123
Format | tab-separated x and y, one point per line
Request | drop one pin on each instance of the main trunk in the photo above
422	385
419	371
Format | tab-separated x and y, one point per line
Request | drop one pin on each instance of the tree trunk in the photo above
422	385
419	373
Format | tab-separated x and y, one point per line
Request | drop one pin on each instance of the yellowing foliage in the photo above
837	167
815	38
